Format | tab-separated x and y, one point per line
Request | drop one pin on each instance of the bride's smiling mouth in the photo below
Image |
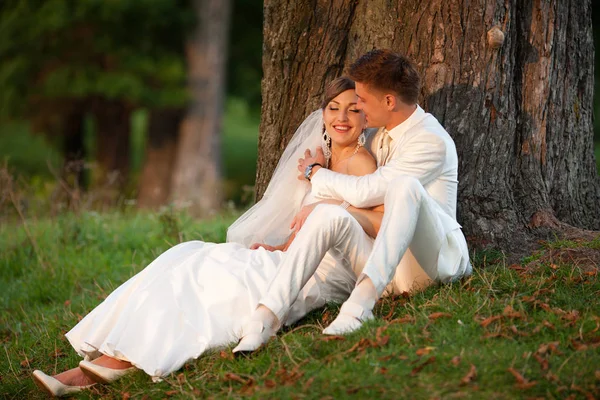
342	128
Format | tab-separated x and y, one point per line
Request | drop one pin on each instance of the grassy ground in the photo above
509	331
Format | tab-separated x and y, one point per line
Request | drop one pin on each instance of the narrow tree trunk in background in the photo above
197	174
155	181
113	123
73	149
520	111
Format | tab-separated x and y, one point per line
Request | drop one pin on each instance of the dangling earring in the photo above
326	145
362	138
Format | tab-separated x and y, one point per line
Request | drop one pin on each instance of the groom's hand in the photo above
309	159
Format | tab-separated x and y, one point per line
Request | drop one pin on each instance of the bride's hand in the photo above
255	246
301	217
309	159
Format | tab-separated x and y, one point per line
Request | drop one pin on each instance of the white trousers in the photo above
418	244
330	230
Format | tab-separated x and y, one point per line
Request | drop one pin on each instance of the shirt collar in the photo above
411	121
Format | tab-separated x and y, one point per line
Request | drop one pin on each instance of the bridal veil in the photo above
268	221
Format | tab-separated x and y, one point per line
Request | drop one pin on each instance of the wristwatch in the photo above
309	169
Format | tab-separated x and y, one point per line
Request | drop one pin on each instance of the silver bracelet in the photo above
345	205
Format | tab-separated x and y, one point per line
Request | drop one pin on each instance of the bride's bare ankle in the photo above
113	363
74	377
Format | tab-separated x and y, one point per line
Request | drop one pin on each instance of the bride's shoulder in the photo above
362	163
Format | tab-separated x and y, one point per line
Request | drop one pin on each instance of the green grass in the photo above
539	320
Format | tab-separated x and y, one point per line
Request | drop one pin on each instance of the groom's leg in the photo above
327	228
410	220
332	282
410	214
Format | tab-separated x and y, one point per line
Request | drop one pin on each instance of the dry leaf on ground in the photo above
420	367
522	382
470	376
437	315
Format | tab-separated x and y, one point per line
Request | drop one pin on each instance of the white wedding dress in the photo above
196	296
193	297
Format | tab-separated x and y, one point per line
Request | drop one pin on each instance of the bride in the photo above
197	296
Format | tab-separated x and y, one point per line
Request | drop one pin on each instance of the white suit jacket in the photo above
420	148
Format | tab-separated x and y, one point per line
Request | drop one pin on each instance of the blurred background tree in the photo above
103	86
101	79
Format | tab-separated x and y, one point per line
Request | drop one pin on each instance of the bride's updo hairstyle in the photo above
337	87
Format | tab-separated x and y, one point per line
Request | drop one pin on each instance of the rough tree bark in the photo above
155	181
196	180
520	110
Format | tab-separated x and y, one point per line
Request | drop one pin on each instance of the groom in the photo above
419	241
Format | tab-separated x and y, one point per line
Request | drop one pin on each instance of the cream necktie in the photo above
383	150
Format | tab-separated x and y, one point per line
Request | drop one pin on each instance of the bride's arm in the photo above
368	218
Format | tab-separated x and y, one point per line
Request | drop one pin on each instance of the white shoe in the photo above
350	319
103	374
54	387
254	335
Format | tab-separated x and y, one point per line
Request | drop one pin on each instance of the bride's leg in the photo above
74	377
110	362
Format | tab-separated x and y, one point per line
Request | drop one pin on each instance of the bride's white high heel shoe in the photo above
254	335
350	318
54	387
103	374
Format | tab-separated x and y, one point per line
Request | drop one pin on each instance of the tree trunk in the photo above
72	173
112	120
520	111
197	174
155	182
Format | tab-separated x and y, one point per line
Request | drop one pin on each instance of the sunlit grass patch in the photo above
509	331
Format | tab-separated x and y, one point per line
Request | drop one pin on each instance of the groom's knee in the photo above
404	187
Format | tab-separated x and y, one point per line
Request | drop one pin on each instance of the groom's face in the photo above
374	105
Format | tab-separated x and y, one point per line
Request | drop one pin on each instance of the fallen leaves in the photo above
420	367
330	338
230	376
522	382
510	312
470	376
551	347
26	363
542	361
365	343
57	353
437	315
489	320
424	351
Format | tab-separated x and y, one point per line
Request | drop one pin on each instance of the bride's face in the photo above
343	121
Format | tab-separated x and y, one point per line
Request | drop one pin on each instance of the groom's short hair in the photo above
388	71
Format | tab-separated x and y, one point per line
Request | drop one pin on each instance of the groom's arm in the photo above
422	157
